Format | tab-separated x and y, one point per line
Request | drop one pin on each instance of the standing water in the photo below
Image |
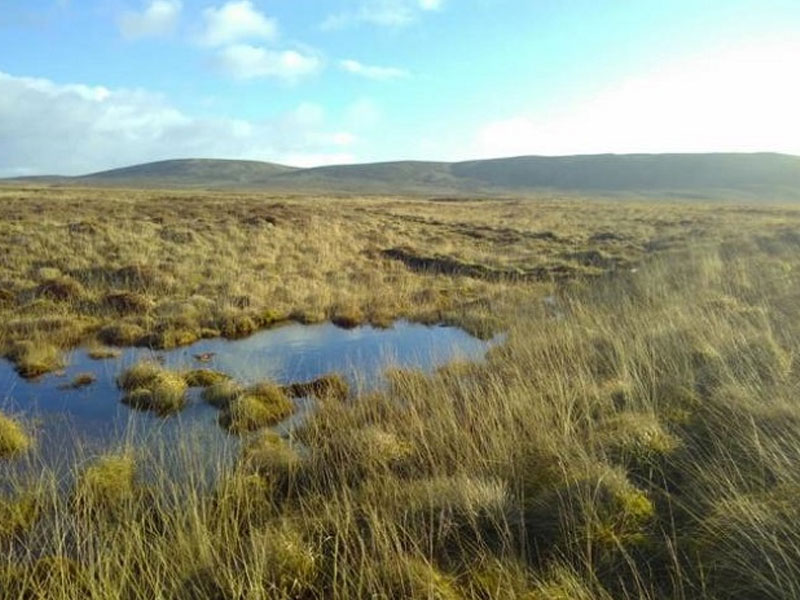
94	416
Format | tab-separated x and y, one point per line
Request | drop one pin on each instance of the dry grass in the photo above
117	267
204	378
258	406
149	386
637	436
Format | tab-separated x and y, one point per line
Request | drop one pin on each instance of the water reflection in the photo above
95	416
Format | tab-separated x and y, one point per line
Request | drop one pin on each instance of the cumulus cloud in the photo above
389	13
158	18
372	72
236	21
233	29
730	100
242	61
46	127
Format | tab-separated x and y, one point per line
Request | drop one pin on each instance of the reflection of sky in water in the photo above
290	353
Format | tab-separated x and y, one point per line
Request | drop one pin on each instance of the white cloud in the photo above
47	127
242	61
159	18
372	72
236	21
388	13
731	100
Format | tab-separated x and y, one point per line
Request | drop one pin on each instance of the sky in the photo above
88	85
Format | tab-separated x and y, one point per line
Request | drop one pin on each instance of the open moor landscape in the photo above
635	434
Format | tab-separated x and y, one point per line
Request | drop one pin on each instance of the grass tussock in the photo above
35	358
258	406
149	386
18	513
13	438
204	378
108	483
328	387
221	394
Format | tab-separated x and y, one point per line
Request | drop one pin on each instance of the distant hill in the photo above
762	175
189	172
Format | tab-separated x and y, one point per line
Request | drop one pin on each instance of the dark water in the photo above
94	416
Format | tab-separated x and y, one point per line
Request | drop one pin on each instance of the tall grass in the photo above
641	441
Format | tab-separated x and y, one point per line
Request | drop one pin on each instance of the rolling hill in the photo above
713	175
189	172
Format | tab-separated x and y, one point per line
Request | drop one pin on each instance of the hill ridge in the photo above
691	174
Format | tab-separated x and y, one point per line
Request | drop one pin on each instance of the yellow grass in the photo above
13	438
637	435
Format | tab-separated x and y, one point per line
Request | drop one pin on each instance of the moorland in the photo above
635	436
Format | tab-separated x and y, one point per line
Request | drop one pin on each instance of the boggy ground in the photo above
163	269
637	436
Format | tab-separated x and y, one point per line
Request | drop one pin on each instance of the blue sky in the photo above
88	84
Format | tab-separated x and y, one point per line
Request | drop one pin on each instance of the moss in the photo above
107	483
249	413
35	358
221	394
332	386
18	514
13	439
204	377
151	387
